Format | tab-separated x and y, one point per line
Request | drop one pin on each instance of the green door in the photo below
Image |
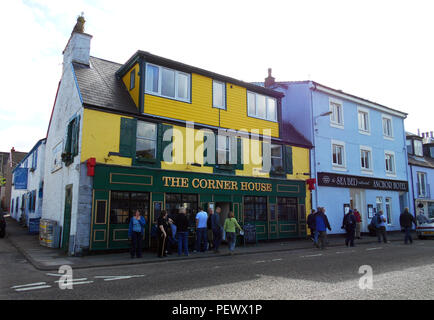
287	218
272	223
255	212
99	230
67	217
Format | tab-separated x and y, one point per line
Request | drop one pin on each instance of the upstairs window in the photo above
365	159
421	184
71	141
390	163
338	155
363	117
337	115
167	83
418	148
218	94
35	160
387	127
146	142
409	146
262	107
276	158
223	149
132	79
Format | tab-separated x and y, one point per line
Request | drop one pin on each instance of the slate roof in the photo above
100	87
427	162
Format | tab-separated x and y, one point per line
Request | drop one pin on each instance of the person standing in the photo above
209	233
163	226
321	226
311	224
229	226
201	230
380	226
216	229
181	222
358	223
349	224
406	221
135	234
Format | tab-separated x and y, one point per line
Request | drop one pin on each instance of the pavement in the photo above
49	259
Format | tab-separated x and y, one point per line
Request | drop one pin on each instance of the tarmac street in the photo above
398	272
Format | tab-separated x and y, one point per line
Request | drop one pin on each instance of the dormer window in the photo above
132	79
167	83
418	148
260	106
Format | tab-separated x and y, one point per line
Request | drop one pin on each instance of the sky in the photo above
382	51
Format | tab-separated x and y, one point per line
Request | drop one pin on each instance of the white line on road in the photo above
29	285
77	283
370	249
112	278
262	261
277	260
312	255
33	288
67	281
54	274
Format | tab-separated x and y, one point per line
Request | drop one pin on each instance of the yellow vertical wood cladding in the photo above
101	135
135	92
235	116
200	110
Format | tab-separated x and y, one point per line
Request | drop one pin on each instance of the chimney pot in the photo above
269	81
78	47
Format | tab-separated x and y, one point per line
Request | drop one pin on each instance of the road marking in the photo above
72	281
312	255
113	278
277	260
33	288
370	249
262	261
29	285
54	274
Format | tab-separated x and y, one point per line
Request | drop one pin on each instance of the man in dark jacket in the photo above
311	223
349	224
406	220
321	224
181	222
216	229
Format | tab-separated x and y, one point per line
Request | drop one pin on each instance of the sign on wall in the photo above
346	181
20	178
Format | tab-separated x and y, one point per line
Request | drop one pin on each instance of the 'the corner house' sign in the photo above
346	181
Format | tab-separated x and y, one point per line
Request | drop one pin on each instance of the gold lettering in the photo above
234	185
166	181
251	186
203	184
227	185
195	183
184	183
243	186
211	184
263	187
219	184
269	187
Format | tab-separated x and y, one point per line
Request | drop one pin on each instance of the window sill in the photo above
366	171
366	133
144	160
336	168
388	138
390	174
337	125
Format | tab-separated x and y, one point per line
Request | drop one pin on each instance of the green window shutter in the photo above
162	128
127	142
288	159
67	148
240	165
206	136
75	136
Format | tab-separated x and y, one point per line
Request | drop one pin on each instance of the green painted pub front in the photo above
276	207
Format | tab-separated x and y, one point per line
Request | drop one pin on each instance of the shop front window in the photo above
174	201
123	206
255	209
287	209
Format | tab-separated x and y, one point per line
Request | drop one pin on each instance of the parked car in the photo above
425	226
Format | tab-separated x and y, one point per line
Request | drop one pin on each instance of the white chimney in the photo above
78	47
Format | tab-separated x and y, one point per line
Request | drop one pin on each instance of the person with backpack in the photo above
349	224
379	222
406	221
321	224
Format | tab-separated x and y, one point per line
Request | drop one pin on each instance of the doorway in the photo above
67	217
226	207
358	201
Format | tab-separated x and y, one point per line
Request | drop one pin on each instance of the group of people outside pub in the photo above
171	230
318	224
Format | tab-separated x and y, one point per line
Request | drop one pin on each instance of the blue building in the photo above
421	173
359	159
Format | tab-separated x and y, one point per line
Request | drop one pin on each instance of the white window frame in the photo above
160	75
227	150
391	136
153	139
414	147
419	175
388	214
266	107
390	173
335	166
334	123
369	170
379	201
365	111
223	107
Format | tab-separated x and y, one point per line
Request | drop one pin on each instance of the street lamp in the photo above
324	114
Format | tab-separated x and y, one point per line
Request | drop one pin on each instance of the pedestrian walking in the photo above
358	223
135	234
210	243
406	220
229	226
181	222
311	224
201	230
349	224
217	229
163	227
379	221
321	225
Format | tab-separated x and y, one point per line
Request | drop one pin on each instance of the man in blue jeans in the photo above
201	230
217	229
181	222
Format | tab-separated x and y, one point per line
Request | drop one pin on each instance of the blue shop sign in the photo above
20	178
